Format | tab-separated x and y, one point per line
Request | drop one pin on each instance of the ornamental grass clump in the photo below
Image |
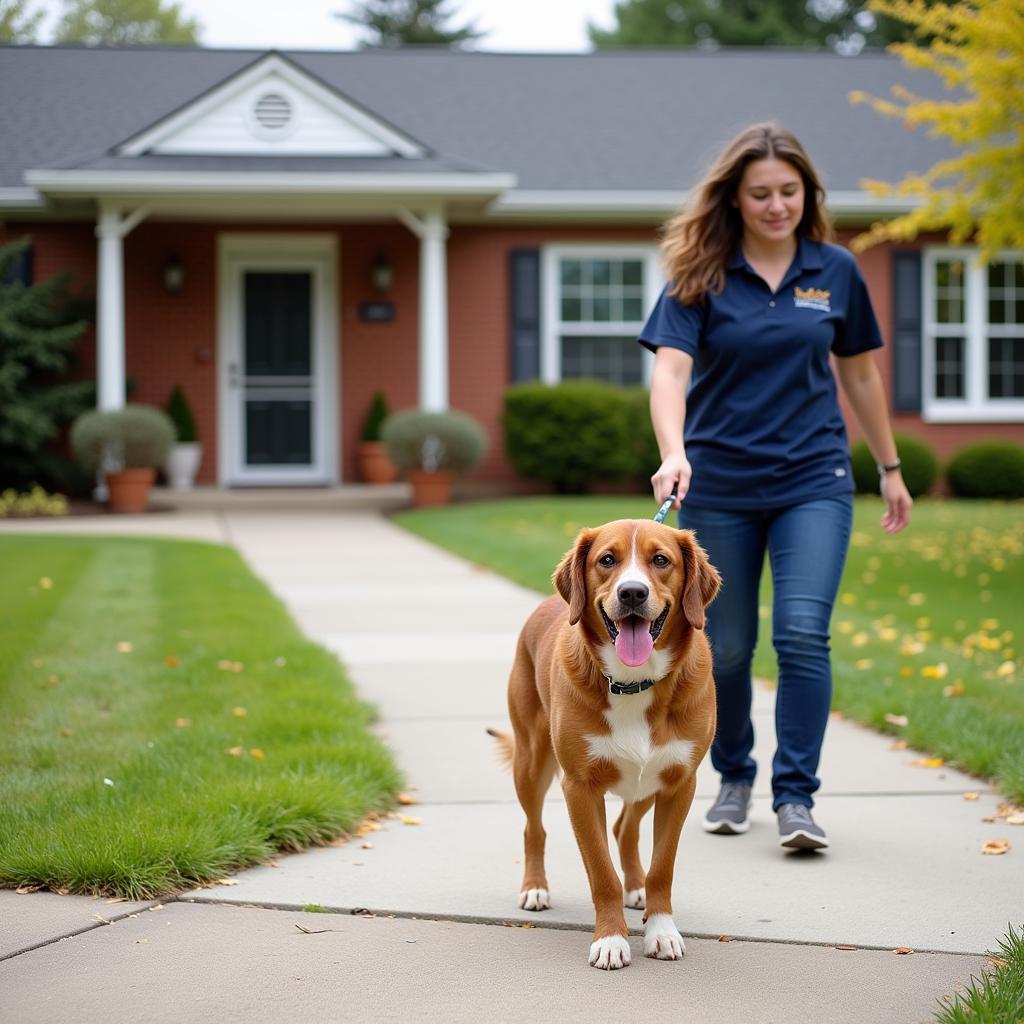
135	437
434	441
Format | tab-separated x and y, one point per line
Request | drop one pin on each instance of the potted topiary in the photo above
374	463
430	448
126	445
186	453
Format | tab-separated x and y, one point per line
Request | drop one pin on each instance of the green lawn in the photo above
164	720
926	628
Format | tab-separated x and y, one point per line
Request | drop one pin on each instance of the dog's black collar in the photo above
637	687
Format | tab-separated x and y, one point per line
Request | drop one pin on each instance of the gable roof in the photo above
630	126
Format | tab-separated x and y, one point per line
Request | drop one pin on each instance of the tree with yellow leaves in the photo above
977	48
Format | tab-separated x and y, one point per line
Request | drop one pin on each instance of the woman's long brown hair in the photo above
698	243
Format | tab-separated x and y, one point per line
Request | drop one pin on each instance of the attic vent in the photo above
273	112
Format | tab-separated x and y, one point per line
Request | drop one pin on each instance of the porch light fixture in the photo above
174	275
382	276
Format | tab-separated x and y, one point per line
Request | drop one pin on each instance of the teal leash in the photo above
665	506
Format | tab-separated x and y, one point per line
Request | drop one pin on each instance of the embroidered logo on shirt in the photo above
812	298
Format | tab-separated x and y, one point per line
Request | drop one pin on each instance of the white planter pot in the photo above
182	465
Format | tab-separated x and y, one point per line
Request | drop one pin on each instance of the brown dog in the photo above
612	683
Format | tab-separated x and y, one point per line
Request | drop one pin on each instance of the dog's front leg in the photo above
610	948
661	936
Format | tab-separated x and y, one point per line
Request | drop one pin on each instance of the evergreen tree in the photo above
38	327
977	48
394	23
16	24
845	25
125	22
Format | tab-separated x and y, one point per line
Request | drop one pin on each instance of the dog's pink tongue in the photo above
634	643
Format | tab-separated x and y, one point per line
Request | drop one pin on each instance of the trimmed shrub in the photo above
987	469
450	440
375	417
569	435
920	466
181	416
135	437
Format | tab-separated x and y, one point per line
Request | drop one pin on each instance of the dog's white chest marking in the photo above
629	748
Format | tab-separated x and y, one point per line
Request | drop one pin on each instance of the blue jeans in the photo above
806	546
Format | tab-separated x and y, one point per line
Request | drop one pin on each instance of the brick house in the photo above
285	233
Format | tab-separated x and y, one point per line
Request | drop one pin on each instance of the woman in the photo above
757	301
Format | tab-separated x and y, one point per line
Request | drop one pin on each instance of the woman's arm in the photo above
669	385
862	386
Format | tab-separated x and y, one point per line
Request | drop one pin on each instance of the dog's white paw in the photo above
610	953
534	899
662	940
636	898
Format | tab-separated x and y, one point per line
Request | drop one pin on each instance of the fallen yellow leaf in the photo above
916	599
257	753
863	664
902	950
236	751
1006	669
404	798
239	712
929	762
996	846
183	723
956	690
896	719
1015	819
408	820
124	647
725	938
46	583
971	796
939	671
171	661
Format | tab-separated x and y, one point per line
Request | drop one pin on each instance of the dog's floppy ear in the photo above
702	579
570	577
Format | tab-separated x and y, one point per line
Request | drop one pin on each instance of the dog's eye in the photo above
661	561
606	560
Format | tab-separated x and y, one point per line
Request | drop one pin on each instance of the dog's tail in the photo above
506	745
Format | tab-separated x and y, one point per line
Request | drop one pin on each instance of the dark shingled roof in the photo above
629	119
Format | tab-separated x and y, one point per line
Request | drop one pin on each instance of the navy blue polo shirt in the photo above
763	427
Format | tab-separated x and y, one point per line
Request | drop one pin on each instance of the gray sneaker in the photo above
798	830
728	814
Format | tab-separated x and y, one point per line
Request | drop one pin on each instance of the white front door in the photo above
278	381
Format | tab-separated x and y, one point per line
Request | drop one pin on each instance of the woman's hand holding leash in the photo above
672	479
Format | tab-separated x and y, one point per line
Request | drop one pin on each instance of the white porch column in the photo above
432	231
110	362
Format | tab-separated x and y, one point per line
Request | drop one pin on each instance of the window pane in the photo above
949	292
615	360
632	309
1006	367
996	309
570	271
571	308
601	272
949	367
602	309
632	272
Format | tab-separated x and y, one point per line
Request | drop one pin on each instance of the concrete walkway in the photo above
429	639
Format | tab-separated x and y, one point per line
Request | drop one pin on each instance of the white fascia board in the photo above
272	64
553	202
247	183
21	199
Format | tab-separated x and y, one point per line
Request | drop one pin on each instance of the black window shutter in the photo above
907	331
524	307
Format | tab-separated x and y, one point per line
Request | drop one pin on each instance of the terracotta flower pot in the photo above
129	489
374	463
431	488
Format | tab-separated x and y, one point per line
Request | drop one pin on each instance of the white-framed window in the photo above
595	299
973	333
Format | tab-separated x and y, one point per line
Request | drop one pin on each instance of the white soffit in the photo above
272	109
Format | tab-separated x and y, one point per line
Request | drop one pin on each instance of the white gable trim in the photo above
273	69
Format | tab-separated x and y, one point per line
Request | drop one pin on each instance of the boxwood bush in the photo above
920	466
569	435
418	439
987	469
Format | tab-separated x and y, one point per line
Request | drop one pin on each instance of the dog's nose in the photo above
633	594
